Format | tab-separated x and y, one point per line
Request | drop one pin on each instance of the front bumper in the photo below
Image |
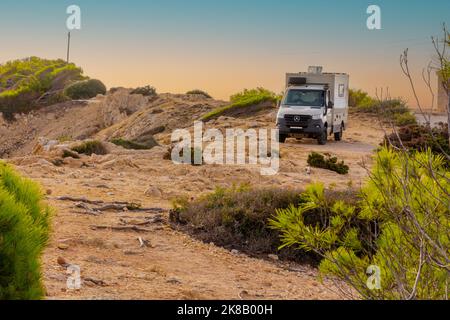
310	127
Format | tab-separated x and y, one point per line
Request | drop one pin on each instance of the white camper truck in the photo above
314	105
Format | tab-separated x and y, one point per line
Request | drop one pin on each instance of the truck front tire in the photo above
323	137
282	138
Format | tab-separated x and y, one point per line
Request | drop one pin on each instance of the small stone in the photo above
63	246
273	257
130	252
48	192
235	252
173	281
153	192
61	261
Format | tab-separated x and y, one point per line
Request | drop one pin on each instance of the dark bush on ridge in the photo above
86	89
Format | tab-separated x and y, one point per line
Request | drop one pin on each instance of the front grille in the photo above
297	120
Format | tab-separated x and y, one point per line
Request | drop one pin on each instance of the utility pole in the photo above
68	47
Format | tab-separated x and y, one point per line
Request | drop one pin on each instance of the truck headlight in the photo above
317	117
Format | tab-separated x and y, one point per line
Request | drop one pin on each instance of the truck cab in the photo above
314	105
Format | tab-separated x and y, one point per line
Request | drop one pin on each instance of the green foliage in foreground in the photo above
318	160
85	89
23	82
405	206
244	99
24	231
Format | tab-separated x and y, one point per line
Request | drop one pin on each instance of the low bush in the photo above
24	232
404	119
86	89
90	147
127	144
318	160
394	110
199	92
242	100
421	138
238	218
70	154
147	91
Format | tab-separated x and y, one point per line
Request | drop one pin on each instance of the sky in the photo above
225	46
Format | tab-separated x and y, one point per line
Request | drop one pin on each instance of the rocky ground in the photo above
135	254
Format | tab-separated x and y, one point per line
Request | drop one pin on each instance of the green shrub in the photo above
70	154
421	138
24	232
394	110
318	160
127	144
147	91
199	92
404	119
400	225
86	89
24	82
358	98
242	100
90	147
236	218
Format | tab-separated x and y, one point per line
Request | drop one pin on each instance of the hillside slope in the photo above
114	263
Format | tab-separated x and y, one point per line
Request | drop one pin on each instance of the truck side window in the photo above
341	90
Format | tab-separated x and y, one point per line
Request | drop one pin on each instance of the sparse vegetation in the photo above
199	92
244	99
28	83
70	154
421	138
24	224
394	110
127	144
318	160
90	147
236	218
85	89
239	218
147	91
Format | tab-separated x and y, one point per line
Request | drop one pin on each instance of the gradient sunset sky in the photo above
225	46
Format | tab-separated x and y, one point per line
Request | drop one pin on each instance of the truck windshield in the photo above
305	98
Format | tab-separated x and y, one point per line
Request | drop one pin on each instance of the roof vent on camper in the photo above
315	69
297	81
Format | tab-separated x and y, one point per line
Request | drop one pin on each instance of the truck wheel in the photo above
282	138
338	135
323	137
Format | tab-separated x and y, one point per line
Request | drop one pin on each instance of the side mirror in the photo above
330	104
279	103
